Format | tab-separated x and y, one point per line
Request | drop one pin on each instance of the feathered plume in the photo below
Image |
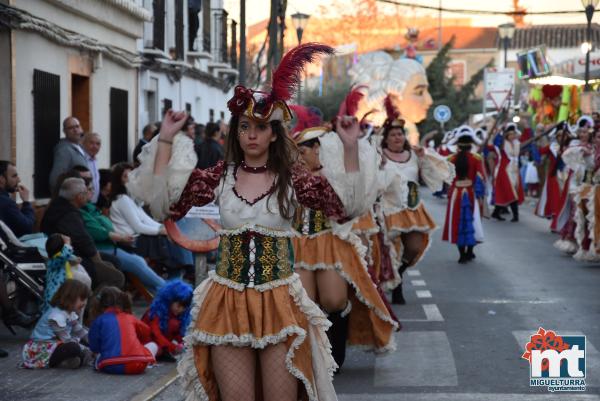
287	76
390	110
305	118
349	106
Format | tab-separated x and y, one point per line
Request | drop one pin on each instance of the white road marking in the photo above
516	301
412	272
413	366
423	294
592	356
418	283
432	314
466	397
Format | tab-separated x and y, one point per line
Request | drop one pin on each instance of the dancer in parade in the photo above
574	156
407	222
463	215
549	202
331	262
508	188
253	306
583	161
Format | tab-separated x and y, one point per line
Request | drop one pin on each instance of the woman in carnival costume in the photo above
407	222
549	202
508	188
331	262
253	306
584	161
463	215
579	148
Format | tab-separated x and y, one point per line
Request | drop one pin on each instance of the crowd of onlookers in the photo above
96	239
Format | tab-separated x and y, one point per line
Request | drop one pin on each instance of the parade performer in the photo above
331	262
578	149
407	222
508	188
584	161
463	215
549	202
253	306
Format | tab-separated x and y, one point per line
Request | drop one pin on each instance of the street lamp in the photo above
300	20
590	7
506	33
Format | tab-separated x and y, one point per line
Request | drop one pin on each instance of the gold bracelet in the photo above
165	141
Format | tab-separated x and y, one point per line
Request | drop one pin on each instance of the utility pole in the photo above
242	65
272	56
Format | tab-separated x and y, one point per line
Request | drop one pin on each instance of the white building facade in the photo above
63	58
189	60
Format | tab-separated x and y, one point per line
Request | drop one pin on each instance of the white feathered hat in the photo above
465	132
584	121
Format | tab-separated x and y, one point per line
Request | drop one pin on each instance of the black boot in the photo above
470	254
497	215
398	296
338	335
463	254
514	208
3	354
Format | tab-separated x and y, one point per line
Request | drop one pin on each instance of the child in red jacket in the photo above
169	316
123	342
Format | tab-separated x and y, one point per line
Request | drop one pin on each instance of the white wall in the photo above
35	52
201	96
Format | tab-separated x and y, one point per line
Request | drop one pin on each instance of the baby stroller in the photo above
22	271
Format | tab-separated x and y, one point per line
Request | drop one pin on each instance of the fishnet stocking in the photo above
278	383
234	370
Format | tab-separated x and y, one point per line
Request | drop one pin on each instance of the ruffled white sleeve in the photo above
435	170
356	190
575	160
160	192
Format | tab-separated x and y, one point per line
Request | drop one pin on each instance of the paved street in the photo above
465	326
464	329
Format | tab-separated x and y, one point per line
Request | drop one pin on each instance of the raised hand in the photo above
348	129
172	123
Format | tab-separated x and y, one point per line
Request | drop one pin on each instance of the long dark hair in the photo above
117	186
386	132
282	156
462	161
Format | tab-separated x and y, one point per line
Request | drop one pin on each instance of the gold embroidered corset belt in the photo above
413	194
309	222
252	258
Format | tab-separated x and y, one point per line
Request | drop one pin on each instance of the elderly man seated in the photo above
63	217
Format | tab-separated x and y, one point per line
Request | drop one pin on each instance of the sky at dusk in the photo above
258	10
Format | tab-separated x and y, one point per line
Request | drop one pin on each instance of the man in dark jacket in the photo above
63	217
147	135
19	220
68	152
209	152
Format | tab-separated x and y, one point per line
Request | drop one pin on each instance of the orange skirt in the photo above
225	313
365	225
370	324
406	221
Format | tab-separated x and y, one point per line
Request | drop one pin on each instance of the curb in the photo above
159	386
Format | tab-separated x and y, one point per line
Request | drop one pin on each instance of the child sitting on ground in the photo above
58	337
169	317
62	265
122	342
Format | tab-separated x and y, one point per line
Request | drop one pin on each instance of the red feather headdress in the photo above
305	118
271	105
393	115
349	106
